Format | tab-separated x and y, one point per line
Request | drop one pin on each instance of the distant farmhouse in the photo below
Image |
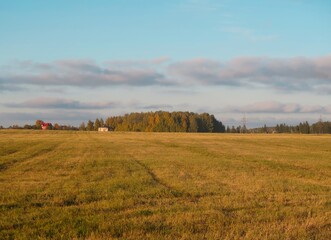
103	129
45	126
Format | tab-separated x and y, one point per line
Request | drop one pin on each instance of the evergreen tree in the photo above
96	124
90	126
102	123
82	127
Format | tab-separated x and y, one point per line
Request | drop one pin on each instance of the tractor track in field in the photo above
172	190
6	165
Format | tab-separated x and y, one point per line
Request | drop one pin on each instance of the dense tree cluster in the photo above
321	127
301	128
159	122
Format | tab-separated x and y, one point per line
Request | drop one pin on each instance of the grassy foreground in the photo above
89	185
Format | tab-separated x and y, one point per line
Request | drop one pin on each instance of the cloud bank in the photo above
79	73
60	103
278	107
283	74
286	74
258	107
45	103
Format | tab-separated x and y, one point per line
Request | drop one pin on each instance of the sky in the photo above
70	61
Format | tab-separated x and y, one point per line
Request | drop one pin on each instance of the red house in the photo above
45	126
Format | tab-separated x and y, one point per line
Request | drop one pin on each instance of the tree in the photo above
39	123
49	127
90	126
56	126
102	123
304	127
319	126
82	127
96	124
238	130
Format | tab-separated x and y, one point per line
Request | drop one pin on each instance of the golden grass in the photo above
67	185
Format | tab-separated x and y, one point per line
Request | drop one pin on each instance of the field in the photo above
89	185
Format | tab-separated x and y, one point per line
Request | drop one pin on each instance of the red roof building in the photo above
45	126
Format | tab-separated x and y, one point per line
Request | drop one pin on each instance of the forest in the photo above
159	122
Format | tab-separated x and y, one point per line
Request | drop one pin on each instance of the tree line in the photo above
162	121
319	127
38	124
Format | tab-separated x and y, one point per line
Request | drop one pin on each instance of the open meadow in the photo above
122	185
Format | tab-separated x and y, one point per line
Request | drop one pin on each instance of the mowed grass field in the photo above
90	185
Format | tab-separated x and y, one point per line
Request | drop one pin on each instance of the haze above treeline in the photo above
162	121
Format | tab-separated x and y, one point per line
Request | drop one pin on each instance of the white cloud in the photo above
287	74
301	74
278	107
60	103
80	73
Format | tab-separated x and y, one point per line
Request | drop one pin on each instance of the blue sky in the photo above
70	61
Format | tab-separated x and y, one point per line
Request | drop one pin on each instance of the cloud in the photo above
157	106
253	121
69	117
277	107
282	74
58	103
83	73
10	88
45	103
143	63
201	71
54	116
324	89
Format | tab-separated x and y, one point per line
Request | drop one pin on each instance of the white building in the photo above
103	129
